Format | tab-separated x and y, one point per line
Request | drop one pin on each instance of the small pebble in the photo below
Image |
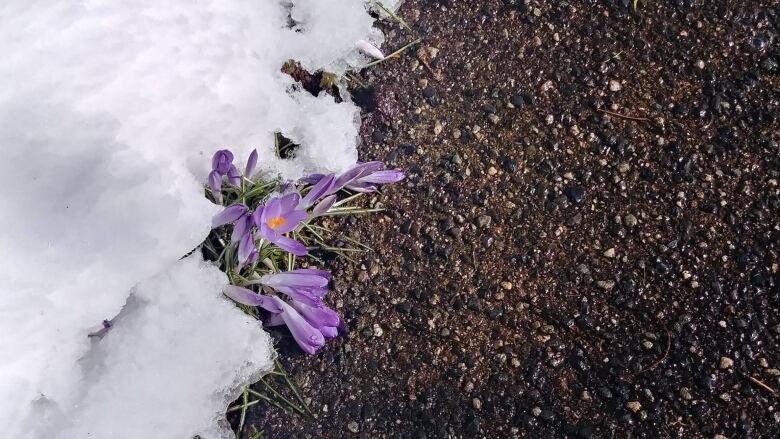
610	253
506	285
634	406
615	85
353	427
726	362
536	411
476	403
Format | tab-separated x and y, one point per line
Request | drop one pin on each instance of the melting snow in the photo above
108	116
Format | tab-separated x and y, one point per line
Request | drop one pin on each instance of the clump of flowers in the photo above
268	224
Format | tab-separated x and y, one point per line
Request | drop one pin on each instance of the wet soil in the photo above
587	243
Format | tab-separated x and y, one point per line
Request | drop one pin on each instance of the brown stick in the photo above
611	113
759	383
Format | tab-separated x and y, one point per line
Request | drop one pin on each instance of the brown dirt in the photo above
639	252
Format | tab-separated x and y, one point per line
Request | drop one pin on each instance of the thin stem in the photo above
243	412
392	55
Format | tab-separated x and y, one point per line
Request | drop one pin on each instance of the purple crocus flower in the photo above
230	214
306	285
281	215
251	163
222	161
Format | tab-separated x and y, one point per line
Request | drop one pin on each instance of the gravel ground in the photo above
550	269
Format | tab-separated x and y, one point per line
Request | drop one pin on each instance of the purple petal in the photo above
308	337
257	217
330	331
253	257
322	273
309	296
383	177
319	317
215	183
289	202
221	161
234	177
297	278
273	320
291	221
229	214
287	244
245	248
248	297
317	191
251	163
324	206
312	179
272	209
291	246
241	228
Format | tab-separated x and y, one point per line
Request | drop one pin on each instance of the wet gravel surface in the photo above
549	269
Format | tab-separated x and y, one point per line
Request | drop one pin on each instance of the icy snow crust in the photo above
109	112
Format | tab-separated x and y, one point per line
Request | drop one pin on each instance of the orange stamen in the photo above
274	223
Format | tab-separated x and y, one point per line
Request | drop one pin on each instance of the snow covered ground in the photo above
109	113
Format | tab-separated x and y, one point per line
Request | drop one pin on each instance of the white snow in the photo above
109	113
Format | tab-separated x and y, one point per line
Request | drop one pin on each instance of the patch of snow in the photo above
108	116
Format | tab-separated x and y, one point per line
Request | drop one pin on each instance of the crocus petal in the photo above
289	202
215	182
229	214
291	221
257	217
234	177
383	177
357	171
309	338
329	331
317	191
319	317
296	278
312	178
241	228
251	163
287	244
250	298
322	273
221	161
323	206
273	320
272	209
245	248
253	257
310	296
291	246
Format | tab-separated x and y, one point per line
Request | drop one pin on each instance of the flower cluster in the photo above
261	224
